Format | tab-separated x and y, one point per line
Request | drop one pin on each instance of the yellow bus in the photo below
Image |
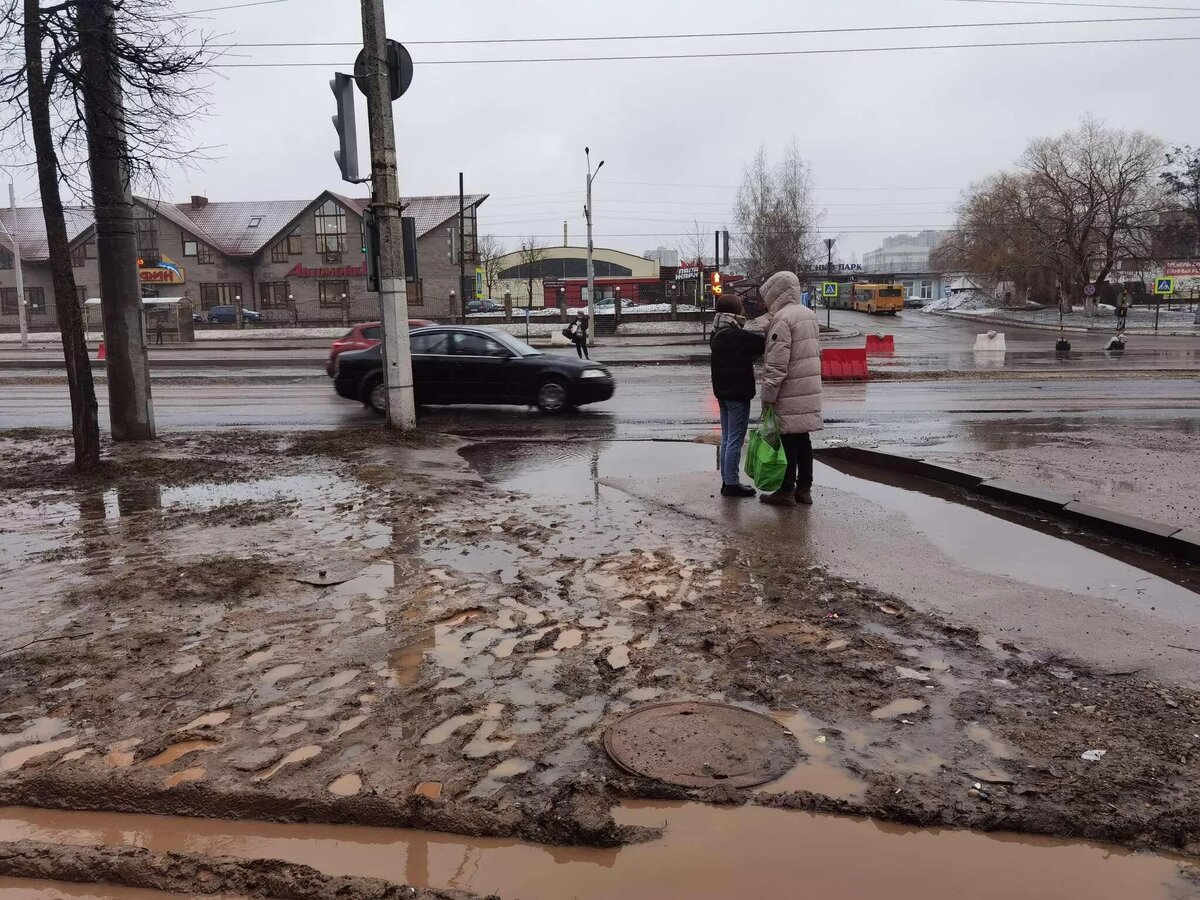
878	299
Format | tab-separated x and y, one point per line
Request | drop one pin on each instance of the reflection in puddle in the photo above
817	773
705	852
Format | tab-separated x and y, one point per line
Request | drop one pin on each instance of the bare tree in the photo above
490	252
693	245
52	93
1180	232
531	253
775	215
1075	206
85	426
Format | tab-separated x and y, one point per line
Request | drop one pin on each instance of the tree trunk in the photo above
85	426
130	407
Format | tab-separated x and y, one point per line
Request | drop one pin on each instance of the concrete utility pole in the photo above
130	407
462	250
385	202
22	309
587	214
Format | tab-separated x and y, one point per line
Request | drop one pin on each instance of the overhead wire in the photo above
857	29
732	54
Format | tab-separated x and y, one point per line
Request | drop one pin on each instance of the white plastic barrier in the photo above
993	341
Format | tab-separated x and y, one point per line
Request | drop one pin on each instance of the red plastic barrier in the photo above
101	354
881	343
844	365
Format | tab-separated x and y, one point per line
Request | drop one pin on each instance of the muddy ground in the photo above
345	627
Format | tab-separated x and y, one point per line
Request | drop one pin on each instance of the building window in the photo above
279	253
331	229
255	221
189	245
330	293
147	234
295	244
273	295
6	258
8	301
416	296
79	256
204	253
926	290
219	294
36	298
81	293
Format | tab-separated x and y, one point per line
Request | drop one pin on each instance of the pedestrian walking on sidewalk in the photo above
158	330
577	331
734	351
1122	309
792	382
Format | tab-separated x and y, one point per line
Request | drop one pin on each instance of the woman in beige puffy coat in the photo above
792	382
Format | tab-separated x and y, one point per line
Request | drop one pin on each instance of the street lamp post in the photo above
22	314
587	214
237	311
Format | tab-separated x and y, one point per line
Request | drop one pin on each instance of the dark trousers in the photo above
798	476
581	348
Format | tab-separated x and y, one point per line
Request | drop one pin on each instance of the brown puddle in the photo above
14	759
178	751
817	773
192	774
706	851
36	889
906	706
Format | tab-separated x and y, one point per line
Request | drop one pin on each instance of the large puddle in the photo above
705	852
968	533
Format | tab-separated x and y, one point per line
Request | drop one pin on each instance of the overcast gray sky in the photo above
892	137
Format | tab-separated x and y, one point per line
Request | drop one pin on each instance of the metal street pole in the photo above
587	213
130	407
22	311
829	242
385	203
462	246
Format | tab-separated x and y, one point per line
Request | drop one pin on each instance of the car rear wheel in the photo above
552	396
375	396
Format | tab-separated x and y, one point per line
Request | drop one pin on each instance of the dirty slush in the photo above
356	628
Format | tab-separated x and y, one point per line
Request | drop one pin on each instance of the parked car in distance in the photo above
465	364
228	314
362	336
483	306
607	303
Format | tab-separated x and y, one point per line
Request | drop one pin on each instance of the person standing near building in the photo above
792	382
734	351
577	332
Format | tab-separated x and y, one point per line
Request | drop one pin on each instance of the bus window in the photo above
890	292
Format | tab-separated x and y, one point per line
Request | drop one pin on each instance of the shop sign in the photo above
302	271
1182	268
163	271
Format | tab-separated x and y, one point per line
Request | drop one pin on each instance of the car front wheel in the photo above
552	396
375	396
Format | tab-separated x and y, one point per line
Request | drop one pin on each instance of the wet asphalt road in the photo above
666	402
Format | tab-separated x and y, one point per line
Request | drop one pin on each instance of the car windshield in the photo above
518	347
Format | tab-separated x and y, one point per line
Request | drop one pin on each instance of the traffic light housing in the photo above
714	281
347	131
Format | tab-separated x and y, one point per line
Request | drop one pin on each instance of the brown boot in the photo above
779	498
804	496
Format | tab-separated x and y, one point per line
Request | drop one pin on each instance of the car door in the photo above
433	370
483	368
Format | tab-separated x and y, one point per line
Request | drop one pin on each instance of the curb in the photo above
1181	542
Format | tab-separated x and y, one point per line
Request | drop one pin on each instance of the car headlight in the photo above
594	373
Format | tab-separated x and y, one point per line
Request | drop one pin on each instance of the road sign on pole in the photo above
400	69
1164	286
829	289
1089	290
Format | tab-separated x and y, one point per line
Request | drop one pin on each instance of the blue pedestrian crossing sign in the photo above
1164	286
829	289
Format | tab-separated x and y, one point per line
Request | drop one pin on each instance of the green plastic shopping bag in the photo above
765	459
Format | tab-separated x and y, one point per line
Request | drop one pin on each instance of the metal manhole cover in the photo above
697	744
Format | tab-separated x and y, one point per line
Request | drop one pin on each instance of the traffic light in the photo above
715	283
347	151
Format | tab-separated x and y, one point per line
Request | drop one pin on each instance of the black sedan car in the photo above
461	364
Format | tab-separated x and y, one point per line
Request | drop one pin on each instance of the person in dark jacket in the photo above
734	351
577	332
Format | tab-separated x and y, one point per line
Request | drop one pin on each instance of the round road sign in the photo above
1089	290
400	69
